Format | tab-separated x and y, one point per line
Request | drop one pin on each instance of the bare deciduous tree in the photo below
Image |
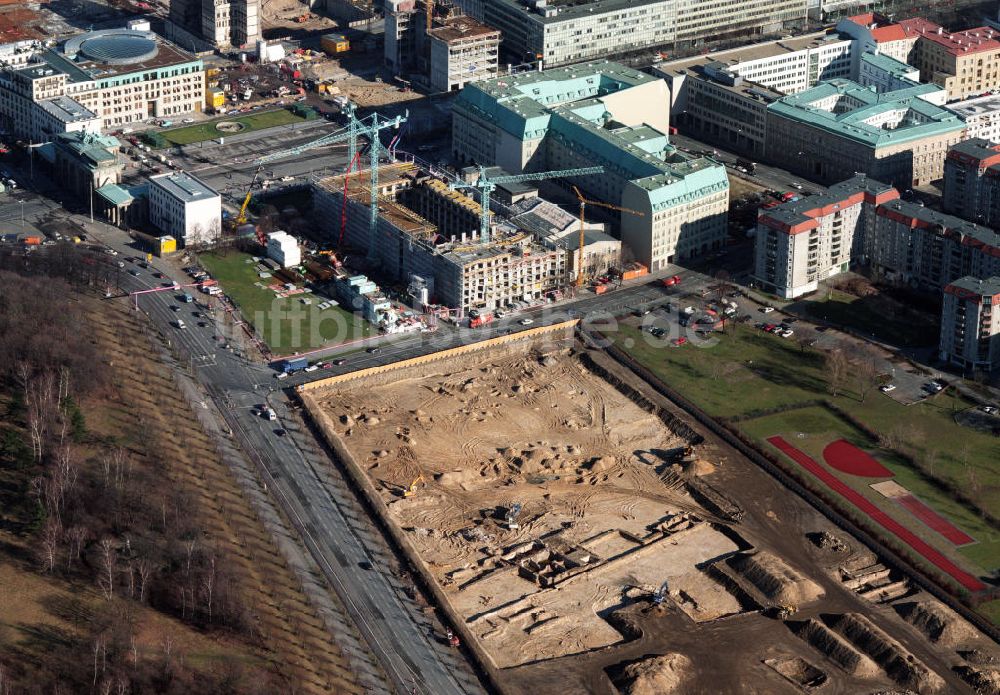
836	370
108	561
49	541
865	371
208	586
76	537
144	569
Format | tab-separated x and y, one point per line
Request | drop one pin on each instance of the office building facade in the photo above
839	128
605	114
183	206
119	76
561	32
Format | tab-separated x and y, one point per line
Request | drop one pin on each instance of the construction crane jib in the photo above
486	185
584	202
370	127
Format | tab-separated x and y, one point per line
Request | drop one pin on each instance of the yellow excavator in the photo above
411	490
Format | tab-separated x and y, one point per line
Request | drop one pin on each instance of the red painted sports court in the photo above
884	520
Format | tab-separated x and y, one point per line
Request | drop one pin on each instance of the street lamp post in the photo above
22	214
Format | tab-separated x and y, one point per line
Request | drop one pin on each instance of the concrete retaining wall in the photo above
556	332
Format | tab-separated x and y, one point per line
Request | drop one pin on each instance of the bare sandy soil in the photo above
588	551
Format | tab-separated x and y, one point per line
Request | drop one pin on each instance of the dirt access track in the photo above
583	537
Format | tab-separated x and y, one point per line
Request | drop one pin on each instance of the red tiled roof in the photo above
893	32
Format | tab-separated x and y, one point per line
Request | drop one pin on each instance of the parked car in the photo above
526	322
677	342
989	409
787	333
887	388
671	281
766	309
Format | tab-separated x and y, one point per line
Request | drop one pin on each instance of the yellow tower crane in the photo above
580	279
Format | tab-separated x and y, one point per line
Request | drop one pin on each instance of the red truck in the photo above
480	320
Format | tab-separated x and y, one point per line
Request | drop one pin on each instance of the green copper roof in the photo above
115	194
566	104
854	112
888	64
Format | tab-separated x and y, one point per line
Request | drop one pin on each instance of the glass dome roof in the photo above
118	49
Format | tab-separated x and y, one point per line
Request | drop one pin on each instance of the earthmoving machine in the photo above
684	454
584	202
486	185
660	595
411	489
511	517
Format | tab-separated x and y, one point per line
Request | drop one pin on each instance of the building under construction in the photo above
435	42
430	233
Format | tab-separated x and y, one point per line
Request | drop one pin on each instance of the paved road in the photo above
408	644
768	176
587	306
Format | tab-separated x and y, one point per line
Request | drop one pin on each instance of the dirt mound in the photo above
836	649
936	621
985	681
656	675
978	657
901	665
777	580
699	467
457	478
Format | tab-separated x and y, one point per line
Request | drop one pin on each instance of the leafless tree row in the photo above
97	510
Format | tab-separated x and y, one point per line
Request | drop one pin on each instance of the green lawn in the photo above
750	372
186	135
287	325
877	316
745	372
991	609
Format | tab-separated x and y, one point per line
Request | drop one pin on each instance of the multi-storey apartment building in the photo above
120	76
970	324
972	181
838	128
966	63
799	244
863	221
913	245
600	113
